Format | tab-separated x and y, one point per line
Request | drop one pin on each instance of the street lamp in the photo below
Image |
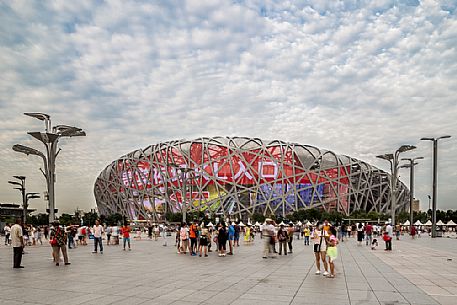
184	171
393	160
411	165
435	169
25	196
50	139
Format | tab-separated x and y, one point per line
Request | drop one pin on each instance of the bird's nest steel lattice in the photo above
240	176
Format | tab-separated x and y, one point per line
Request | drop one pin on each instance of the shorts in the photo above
231	237
80	237
203	242
318	248
332	253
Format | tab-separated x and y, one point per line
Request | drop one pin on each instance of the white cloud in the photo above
357	77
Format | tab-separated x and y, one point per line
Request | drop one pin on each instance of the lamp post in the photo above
21	188
435	169
429	201
393	160
411	165
184	171
50	139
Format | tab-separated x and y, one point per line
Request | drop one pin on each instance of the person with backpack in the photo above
282	239
58	241
320	237
222	239
204	238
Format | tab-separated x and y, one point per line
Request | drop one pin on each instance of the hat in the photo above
268	219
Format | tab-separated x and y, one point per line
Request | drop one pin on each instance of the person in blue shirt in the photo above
231	237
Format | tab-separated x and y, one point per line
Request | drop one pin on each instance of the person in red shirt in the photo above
368	234
126	235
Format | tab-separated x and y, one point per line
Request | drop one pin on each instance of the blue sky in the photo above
357	77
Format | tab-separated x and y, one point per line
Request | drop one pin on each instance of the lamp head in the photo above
38	115
15	183
444	137
404	148
427	139
27	150
387	157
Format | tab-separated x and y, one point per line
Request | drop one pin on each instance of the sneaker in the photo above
264	257
219	255
206	255
101	252
230	253
130	249
94	251
57	264
325	273
66	264
317	272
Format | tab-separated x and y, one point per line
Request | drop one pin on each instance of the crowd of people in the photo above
200	239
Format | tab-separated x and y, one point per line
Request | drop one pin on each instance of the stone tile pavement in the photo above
154	274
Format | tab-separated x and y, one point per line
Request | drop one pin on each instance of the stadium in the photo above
240	176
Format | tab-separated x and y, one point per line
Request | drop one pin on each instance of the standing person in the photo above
204	237
332	251
268	231
237	235
149	230
320	248
343	231
115	234
39	235
247	234
368	234
97	230
46	232
7	230
306	234
58	239
184	238
156	232
193	239
222	239
388	234
231	237
282	239
359	234
290	235
109	232
17	242
397	231
126	235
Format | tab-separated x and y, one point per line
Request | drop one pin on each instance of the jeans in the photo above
98	241
283	245
17	256
126	240
71	242
56	250
306	240
369	239
389	245
289	242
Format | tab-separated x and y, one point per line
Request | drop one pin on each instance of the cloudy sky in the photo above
357	77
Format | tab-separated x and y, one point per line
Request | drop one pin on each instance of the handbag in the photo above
53	242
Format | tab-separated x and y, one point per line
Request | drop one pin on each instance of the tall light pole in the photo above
393	160
50	139
435	170
25	196
184	171
411	165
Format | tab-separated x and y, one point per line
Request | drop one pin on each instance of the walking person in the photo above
332	251
282	239
359	234
388	234
231	237
184	238
267	234
58	240
368	234
39	235
7	230
17	242
109	231
97	231
290	235
193	238
320	237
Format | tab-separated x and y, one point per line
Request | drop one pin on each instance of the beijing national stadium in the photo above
238	176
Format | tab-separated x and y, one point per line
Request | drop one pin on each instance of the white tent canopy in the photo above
418	223
406	223
242	224
257	223
282	223
451	223
299	223
210	224
308	223
428	223
440	223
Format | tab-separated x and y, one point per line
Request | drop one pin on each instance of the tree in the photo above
90	218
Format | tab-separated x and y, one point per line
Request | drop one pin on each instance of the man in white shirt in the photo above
18	243
97	230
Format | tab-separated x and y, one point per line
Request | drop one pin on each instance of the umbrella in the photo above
406	223
428	223
451	223
418	223
440	223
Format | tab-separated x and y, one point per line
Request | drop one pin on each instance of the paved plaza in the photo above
423	271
